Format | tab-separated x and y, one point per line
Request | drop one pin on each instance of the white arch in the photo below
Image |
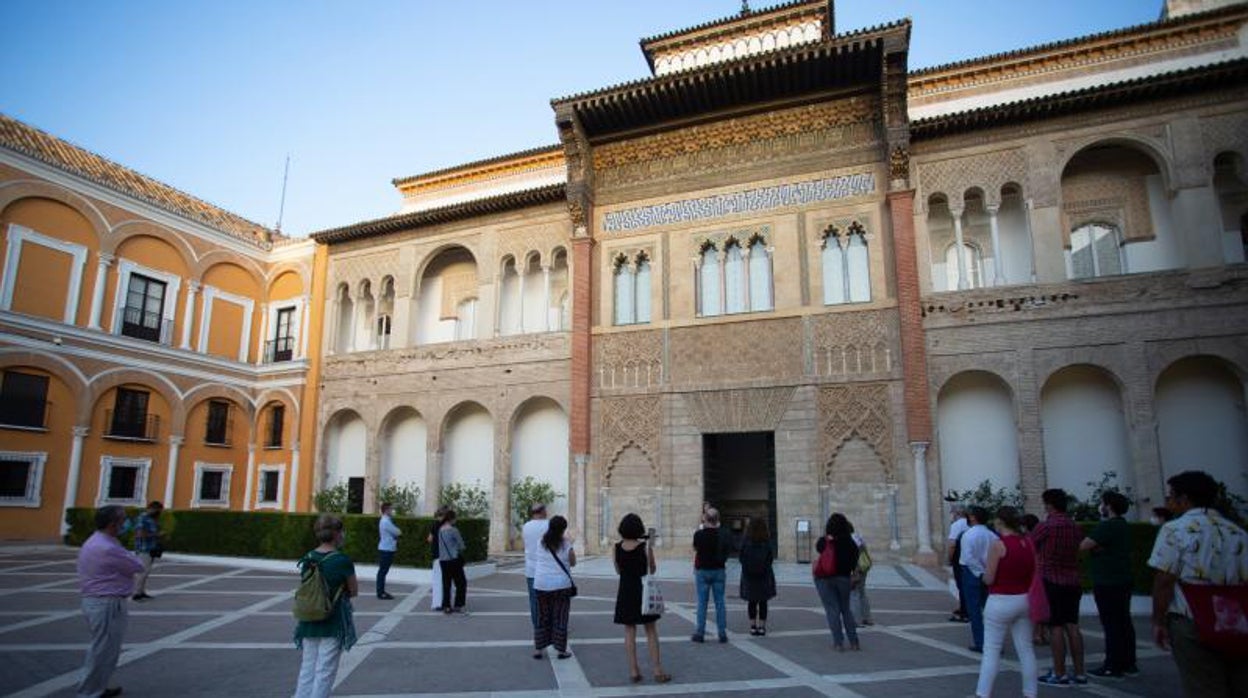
977	433
539	447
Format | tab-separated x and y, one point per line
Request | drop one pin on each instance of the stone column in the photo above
720	258
1198	214
1032	474
913	350
500	495
251	476
304	328
998	267
956	212
521	273
71	479
175	445
922	510
745	279
188	314
433	481
581	461
264	333
292	499
97	294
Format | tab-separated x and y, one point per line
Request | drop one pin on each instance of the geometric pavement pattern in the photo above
218	630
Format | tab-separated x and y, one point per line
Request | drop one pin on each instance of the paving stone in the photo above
449	670
687	662
279	629
39	601
216	672
25	669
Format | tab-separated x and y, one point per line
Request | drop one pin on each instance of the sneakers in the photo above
1063	681
697	638
1051	679
1104	673
144	596
385	596
723	638
1132	670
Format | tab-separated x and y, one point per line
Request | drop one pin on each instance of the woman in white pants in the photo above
1011	564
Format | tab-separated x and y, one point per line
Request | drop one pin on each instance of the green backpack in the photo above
313	602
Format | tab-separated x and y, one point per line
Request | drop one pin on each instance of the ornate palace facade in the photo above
789	275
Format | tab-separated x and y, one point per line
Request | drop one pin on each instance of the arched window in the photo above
760	276
466	319
846	265
641	287
709	275
972	260
383	332
734	278
625	311
1095	251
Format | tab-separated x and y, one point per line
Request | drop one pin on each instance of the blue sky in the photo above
210	97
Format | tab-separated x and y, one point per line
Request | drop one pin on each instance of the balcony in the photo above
278	350
24	413
148	326
131	427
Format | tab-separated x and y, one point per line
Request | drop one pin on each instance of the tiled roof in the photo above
406	221
1076	41
723	21
494	160
1228	74
50	150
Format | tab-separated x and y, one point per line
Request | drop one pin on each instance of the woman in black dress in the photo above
758	579
634	560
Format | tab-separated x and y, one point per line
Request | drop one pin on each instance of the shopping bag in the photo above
825	564
1221	616
651	597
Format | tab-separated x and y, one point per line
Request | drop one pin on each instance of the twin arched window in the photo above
846	265
632	289
736	279
1095	250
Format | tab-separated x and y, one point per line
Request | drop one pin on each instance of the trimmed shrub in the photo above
1142	537
285	536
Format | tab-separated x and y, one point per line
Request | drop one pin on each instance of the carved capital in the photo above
106	259
81	432
194	286
176	440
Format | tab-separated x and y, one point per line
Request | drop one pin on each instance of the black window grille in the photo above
14	478
277	419
269	483
123	482
143	314
129	418
217	431
211	484
23	399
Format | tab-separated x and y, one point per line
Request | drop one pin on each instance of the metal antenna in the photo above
281	207
745	7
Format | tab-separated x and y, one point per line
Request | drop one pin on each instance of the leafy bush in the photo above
1089	509
332	500
468	501
405	498
287	536
525	494
984	496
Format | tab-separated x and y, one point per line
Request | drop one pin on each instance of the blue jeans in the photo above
532	604
976	597
711	581
384	558
834	594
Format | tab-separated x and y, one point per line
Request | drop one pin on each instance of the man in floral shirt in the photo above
1199	546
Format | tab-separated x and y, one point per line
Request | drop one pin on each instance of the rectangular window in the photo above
143	313
210	482
277	419
217	431
129	418
270	488
282	347
21	478
23	400
123	480
212	485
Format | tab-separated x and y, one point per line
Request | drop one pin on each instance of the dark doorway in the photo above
355	495
739	479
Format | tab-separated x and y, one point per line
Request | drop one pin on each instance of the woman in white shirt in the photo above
552	580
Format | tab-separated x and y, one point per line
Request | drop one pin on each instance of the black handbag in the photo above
572	591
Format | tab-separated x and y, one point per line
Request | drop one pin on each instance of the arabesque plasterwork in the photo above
860	410
743	410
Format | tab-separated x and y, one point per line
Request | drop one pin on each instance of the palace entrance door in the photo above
739	478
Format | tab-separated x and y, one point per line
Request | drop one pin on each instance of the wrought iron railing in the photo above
120	425
280	349
141	324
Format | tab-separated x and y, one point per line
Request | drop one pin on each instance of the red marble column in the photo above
582	314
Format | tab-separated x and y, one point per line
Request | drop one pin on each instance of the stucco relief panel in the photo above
988	171
855	344
629	432
726	411
628	360
862	410
736	352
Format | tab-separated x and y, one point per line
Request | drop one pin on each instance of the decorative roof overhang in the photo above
785	75
408	221
1230	74
485	167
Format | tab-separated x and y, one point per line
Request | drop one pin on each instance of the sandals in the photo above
662	678
635	678
538	654
563	655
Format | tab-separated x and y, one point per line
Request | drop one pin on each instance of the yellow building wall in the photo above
152	253
55	219
307	424
225	330
44	523
97	445
286	286
234	280
195	448
42	284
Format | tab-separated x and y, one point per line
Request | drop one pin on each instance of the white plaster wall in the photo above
535	310
1085	434
345	450
430	329
1015	242
509	318
976	433
346	317
406	453
1164	251
1202	422
539	448
469	449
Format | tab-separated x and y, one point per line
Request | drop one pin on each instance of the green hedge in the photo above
1142	537
285	536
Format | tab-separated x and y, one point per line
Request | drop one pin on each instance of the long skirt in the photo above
435	587
553	608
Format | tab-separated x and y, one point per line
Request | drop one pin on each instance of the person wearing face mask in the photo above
1110	547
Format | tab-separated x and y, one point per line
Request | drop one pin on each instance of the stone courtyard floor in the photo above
216	628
